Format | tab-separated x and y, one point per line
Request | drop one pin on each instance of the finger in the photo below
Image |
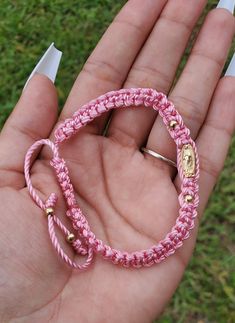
192	94
155	67
214	138
107	67
32	118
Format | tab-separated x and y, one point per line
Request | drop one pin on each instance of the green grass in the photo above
207	292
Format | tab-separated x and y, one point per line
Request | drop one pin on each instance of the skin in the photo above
130	200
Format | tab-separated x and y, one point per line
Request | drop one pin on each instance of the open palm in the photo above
130	200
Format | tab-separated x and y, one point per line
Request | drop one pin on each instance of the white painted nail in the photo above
231	68
48	65
227	4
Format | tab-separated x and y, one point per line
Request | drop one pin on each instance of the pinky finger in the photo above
214	138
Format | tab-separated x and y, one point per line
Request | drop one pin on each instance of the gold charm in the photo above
188	160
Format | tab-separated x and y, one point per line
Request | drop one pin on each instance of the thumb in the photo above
33	118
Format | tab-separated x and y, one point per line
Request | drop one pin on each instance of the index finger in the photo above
107	67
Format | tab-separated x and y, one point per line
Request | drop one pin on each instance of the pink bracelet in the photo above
188	168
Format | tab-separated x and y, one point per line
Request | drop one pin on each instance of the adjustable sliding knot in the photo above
79	248
51	201
62	173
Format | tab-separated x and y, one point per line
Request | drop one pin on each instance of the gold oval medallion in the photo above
188	160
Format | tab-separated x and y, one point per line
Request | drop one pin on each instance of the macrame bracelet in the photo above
85	242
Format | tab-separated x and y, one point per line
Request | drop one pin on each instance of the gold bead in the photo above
188	198
49	211
173	124
70	238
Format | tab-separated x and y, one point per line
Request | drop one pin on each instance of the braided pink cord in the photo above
88	243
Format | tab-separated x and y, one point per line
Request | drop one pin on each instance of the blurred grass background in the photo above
207	292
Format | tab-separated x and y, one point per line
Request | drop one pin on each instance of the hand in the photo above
130	200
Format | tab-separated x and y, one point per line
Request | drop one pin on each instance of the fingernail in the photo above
48	65
231	68
227	4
